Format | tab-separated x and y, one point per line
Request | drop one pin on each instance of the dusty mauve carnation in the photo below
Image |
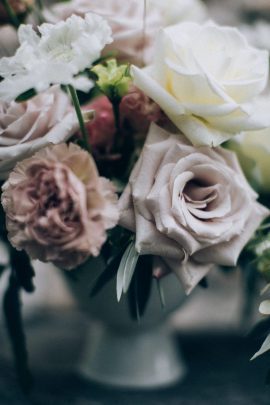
126	21
102	129
27	127
57	207
189	205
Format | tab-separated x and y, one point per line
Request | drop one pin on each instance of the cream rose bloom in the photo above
253	150
187	203
57	207
206	79
28	126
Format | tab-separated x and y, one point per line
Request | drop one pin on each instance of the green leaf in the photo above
261	329
267	379
26	95
108	274
264	348
161	294
203	283
140	287
126	269
13	319
21	264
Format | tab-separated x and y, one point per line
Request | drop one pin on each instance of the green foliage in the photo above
140	287
14	324
21	264
26	96
112	252
257	250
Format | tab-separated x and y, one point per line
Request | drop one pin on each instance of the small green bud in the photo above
113	80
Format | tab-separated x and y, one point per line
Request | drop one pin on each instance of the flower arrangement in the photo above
126	154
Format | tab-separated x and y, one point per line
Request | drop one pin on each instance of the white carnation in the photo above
54	55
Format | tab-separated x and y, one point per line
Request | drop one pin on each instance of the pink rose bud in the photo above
101	129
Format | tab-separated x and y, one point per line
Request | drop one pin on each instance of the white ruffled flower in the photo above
206	78
56	56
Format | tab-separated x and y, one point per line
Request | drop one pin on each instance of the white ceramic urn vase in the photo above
123	352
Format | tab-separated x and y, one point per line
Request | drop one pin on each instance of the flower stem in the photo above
10	12
262	227
116	113
76	103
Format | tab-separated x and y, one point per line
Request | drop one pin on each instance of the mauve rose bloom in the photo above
57	207
28	126
126	21
101	129
191	206
8	40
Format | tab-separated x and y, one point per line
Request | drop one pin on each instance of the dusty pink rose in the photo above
102	129
126	21
139	110
27	127
191	206
57	207
8	40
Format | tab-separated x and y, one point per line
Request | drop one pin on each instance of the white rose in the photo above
29	126
253	150
206	79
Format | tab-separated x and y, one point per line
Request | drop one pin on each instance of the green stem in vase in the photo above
76	103
116	112
10	12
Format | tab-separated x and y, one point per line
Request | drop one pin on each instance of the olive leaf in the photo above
126	270
264	348
140	287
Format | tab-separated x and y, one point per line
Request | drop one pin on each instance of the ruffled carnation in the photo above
57	207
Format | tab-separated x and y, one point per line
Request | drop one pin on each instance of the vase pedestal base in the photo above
134	359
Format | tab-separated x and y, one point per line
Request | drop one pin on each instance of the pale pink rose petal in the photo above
8	40
29	126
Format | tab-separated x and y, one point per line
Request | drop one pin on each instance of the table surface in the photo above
219	368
